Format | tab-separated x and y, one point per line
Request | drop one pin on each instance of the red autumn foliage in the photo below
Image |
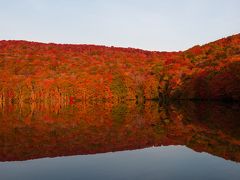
37	72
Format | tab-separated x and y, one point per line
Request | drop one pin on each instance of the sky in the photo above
159	25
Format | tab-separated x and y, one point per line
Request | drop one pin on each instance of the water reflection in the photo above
31	131
165	162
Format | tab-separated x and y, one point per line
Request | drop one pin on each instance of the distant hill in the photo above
58	73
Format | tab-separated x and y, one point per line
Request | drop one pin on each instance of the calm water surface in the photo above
120	141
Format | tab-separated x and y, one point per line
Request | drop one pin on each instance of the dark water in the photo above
120	141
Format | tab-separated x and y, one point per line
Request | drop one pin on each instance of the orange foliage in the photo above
31	72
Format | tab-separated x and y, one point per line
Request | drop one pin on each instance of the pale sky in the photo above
162	25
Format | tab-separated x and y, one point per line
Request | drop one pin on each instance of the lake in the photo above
184	140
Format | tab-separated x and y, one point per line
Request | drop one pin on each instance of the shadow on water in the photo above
33	131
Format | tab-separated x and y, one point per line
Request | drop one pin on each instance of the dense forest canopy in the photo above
57	73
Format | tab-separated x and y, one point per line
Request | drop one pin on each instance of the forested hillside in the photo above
56	73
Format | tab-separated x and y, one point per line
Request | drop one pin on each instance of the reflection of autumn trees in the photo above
108	89
41	129
37	72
